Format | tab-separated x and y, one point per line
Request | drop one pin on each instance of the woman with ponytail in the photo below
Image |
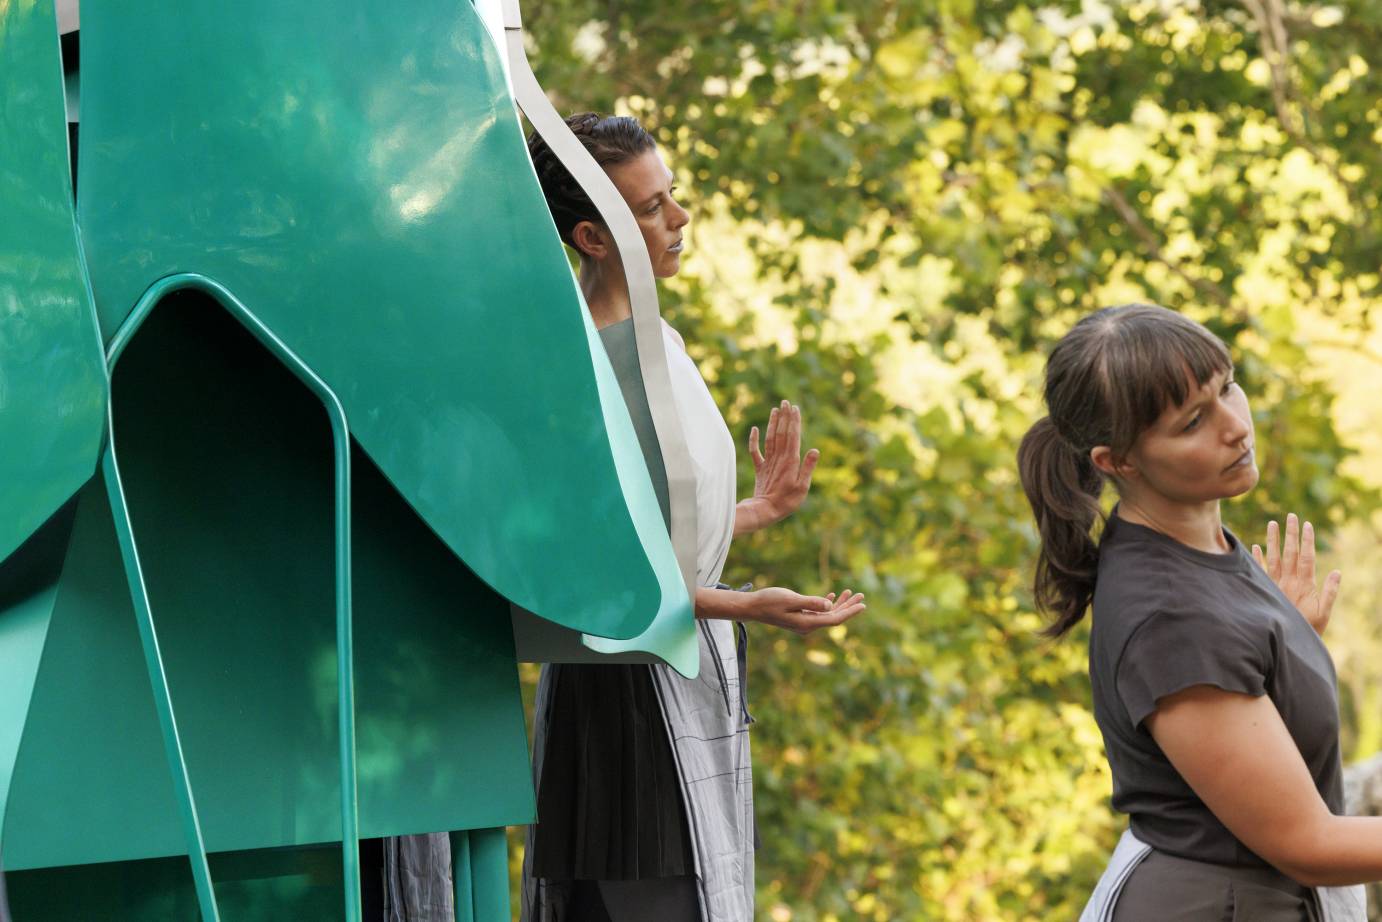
1215	695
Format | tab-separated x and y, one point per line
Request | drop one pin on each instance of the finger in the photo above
1257	556
791	436
830	596
1328	595
1306	565
782	413
754	453
770	437
784	421
1273	553
841	615
814	621
808	467
1290	545
808	603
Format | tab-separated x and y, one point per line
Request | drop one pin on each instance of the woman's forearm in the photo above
1336	851
750	515
722	604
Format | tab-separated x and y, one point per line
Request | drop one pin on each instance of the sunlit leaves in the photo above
898	207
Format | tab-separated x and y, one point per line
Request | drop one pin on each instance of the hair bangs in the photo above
1149	367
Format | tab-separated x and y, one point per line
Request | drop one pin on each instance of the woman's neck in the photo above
1198	526
606	294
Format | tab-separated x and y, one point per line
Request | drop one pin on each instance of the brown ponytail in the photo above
1107	381
1063	486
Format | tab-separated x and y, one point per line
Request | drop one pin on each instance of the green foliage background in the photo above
898	206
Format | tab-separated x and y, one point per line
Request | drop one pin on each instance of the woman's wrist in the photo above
753	514
724	604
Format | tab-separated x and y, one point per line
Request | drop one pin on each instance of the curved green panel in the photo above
52	372
28	591
356	176
91	758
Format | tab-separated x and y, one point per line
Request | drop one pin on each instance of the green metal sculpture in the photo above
261	532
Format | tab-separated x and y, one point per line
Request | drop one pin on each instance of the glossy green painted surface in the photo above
299	884
237	558
28	592
52	373
489	872
366	194
92	748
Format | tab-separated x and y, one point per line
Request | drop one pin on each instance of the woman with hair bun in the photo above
1215	695
645	787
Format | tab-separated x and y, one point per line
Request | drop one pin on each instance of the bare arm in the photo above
779	607
1237	755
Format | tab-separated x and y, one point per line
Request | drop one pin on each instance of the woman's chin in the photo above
1244	482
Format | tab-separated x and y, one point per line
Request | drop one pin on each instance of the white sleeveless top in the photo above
712	455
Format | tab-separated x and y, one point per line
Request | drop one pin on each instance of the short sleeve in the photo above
1172	651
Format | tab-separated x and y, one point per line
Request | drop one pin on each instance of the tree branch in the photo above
1290	109
1152	244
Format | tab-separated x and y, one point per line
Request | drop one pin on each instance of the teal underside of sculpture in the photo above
351	409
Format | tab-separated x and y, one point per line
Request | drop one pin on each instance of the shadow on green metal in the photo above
345	657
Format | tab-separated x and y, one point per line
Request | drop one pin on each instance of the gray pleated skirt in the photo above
1164	888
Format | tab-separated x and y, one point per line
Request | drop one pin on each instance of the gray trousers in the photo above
417	879
1164	888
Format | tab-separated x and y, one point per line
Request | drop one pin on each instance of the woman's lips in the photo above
677	247
1244	461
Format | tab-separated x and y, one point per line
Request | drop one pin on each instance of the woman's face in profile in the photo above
1202	449
647	186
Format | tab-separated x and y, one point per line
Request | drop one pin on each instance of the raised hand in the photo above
1292	568
781	476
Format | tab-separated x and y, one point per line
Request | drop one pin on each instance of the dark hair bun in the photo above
610	140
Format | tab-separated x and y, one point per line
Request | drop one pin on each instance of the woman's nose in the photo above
1239	427
680	216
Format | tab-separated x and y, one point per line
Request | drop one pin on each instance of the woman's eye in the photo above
1194	421
1228	386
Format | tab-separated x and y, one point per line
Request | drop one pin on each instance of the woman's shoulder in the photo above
670	332
1136	581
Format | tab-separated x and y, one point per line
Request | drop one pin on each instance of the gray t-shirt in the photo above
1167	617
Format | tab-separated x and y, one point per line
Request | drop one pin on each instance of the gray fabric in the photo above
1168	889
1157	896
1129	853
710	738
417	879
710	742
1168	617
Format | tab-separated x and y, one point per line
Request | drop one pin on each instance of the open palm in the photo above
1292	568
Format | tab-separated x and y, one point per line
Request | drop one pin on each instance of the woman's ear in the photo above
1103	459
589	240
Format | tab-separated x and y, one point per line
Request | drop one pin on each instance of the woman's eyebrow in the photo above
1205	395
